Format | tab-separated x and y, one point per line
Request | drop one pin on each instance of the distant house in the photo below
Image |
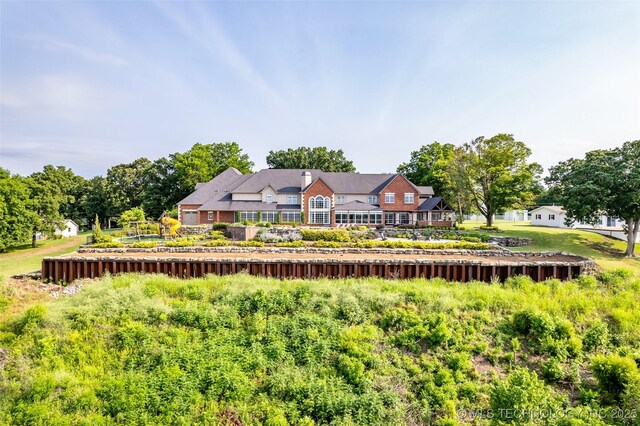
555	216
313	197
69	229
511	215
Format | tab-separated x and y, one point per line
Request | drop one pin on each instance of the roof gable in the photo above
216	187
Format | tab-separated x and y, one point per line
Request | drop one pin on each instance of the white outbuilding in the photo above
69	229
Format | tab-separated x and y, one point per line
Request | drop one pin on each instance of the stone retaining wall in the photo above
510	241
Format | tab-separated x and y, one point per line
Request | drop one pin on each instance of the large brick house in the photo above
313	197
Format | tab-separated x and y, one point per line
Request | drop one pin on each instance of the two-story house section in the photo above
313	197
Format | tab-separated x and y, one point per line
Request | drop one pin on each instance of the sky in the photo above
89	85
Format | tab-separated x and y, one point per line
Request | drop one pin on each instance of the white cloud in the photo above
81	51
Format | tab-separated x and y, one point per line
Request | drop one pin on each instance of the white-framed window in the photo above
403	218
389	197
539	217
290	216
552	217
292	199
375	218
436	216
250	216
270	217
360	218
269	198
210	216
408	197
320	210
341	199
389	218
372	199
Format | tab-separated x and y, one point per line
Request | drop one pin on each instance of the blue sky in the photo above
92	84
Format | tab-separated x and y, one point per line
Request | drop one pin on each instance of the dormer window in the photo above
269	198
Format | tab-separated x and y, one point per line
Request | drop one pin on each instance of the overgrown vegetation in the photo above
146	349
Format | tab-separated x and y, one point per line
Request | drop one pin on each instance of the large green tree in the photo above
499	176
456	190
319	158
97	200
160	188
604	182
124	185
71	186
45	200
201	163
428	166
16	217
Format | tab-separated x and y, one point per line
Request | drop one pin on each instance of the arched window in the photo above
320	210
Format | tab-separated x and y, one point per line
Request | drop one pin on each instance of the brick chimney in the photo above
306	180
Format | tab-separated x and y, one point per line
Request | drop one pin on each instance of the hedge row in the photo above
337	235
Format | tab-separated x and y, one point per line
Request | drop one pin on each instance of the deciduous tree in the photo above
498	174
604	182
202	163
16	218
428	166
310	158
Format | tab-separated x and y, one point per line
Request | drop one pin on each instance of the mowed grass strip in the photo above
606	251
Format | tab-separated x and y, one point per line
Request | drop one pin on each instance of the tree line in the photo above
487	176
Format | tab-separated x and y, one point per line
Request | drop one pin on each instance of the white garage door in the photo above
190	218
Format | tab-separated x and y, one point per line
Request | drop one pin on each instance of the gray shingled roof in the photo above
282	180
216	194
228	205
430	203
425	190
216	187
357	206
354	183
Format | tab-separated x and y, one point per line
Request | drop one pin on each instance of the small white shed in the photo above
69	229
548	216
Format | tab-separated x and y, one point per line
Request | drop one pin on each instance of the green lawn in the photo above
24	258
607	252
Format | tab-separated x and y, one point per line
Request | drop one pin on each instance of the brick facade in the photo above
318	188
218	216
399	186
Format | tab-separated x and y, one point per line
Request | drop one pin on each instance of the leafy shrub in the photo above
216	243
250	244
144	244
297	243
111	244
216	235
614	373
522	390
337	235
264	224
326	244
98	235
489	228
614	277
552	370
364	244
32	317
180	242
596	337
219	226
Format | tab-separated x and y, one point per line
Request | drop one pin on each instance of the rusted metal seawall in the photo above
68	269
